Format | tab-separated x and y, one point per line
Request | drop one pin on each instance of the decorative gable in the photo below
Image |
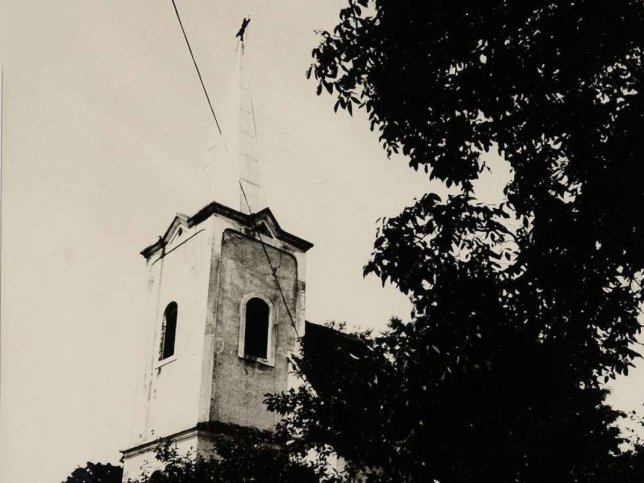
176	232
263	222
262	229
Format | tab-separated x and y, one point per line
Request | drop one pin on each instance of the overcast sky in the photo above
106	136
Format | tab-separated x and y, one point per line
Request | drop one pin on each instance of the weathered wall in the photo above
144	461
169	395
209	271
239	385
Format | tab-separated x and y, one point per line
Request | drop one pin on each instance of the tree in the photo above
96	473
522	310
244	456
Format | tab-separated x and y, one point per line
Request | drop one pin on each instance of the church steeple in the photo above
251	196
233	175
223	318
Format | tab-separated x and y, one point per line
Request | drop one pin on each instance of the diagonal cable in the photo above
212	110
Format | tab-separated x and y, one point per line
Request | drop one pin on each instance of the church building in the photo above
226	307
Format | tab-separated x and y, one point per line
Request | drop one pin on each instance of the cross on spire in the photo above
242	29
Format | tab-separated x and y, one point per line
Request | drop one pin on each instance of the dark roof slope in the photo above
331	359
248	220
350	379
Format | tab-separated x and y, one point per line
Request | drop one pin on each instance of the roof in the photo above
348	376
248	220
343	352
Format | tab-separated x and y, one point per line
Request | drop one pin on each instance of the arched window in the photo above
168	331
256	331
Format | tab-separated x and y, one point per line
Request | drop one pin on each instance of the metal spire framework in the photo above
251	196
237	144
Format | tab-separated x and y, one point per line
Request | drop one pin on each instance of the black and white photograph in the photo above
321	241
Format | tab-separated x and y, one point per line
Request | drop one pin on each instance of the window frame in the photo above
270	349
162	336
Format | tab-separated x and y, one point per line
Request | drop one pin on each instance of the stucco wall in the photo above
144	461
169	398
209	270
239	385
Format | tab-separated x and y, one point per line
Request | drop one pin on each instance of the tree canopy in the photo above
246	456
96	473
522	310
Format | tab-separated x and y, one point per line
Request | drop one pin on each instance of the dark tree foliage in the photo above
244	457
96	473
382	403
523	310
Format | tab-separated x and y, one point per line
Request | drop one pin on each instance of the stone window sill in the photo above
165	361
259	360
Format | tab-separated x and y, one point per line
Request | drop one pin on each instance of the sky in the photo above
106	135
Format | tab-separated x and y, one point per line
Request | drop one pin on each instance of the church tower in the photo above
225	295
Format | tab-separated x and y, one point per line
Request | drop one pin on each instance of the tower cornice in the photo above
247	220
